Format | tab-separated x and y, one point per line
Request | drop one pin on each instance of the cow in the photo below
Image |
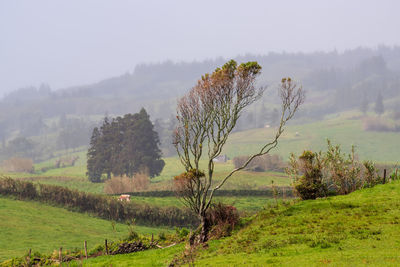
126	198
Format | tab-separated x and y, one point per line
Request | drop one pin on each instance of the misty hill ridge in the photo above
170	80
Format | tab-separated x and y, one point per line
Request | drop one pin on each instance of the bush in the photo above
395	175
371	176
343	171
376	124
262	163
331	172
310	184
222	218
18	165
119	185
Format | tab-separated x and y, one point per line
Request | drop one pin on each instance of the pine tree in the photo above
124	146
379	108
94	166
141	149
364	104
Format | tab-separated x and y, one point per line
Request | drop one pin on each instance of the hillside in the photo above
354	230
344	128
38	122
44	228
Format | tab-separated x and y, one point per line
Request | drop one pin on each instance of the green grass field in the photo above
360	229
44	228
244	204
345	129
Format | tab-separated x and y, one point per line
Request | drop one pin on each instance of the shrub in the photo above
262	163
119	185
331	172
18	165
222	219
376	124
310	184
343	171
371	177
395	175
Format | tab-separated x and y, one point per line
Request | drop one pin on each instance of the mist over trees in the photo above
334	81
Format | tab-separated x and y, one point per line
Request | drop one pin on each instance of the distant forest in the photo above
37	121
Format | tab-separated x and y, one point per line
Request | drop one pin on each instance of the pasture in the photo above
43	228
360	229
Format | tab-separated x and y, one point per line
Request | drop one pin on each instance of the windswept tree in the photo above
206	116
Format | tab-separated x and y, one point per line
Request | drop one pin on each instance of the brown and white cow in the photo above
126	198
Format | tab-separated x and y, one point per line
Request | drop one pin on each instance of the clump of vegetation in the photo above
124	184
377	125
343	171
331	172
310	184
395	175
18	165
124	146
262	163
223	219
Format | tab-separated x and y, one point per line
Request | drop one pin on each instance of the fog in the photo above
66	43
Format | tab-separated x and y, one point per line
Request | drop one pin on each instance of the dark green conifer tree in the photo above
124	146
379	108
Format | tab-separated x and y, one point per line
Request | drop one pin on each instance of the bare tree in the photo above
206	115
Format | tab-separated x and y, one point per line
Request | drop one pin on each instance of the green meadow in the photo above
345	129
43	228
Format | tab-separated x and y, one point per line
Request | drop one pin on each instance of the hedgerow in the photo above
99	205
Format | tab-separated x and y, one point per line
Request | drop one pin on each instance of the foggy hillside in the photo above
318	72
64	118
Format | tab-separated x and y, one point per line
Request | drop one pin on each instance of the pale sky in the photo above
75	42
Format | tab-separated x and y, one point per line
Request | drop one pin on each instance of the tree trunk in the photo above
205	228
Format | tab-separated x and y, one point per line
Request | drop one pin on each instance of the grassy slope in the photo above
248	203
360	229
345	129
44	228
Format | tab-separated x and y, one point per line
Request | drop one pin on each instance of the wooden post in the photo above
85	244
384	176
106	247
29	257
60	255
152	238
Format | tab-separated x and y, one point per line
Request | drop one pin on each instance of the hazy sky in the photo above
74	42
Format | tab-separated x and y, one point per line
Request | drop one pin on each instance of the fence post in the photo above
106	247
152	238
384	176
29	257
60	255
85	244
